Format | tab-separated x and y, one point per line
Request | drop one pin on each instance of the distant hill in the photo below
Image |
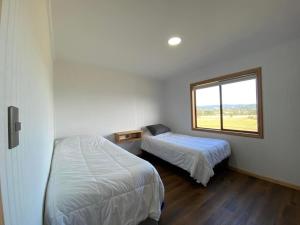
228	106
228	109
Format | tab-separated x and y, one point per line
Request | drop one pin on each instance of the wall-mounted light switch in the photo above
14	126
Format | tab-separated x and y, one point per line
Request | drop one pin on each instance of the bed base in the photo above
153	159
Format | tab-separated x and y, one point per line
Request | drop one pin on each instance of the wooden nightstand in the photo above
132	135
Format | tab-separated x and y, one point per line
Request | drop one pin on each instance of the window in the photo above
229	104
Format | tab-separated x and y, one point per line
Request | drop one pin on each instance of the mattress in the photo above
95	182
196	155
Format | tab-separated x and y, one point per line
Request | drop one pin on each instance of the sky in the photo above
242	92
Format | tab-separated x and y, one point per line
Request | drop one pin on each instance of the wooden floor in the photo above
230	199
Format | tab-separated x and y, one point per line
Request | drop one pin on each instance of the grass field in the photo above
244	122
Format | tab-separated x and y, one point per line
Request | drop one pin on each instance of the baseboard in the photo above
282	183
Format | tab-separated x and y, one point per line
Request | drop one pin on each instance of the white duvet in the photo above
95	182
196	155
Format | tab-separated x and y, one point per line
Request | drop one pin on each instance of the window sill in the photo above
230	132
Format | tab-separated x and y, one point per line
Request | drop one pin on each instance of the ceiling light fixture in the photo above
174	41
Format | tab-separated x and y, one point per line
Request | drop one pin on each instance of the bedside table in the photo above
132	135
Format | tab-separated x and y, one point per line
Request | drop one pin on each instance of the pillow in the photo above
158	129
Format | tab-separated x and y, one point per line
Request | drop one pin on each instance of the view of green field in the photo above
244	122
235	117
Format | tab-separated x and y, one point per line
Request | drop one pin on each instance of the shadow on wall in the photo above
1	208
133	147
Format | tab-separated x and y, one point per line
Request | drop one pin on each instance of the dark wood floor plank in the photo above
229	199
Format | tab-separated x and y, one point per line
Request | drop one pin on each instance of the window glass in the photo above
208	107
240	106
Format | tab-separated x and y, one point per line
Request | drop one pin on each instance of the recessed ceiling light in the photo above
174	41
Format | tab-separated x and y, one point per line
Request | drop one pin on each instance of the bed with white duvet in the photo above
196	155
95	182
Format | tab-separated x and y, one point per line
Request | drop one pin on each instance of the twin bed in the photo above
94	181
196	155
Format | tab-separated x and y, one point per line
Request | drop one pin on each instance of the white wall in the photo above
91	100
25	82
1	210
277	155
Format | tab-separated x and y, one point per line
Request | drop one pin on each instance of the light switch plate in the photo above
14	126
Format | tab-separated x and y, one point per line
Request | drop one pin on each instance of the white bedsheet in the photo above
196	155
95	182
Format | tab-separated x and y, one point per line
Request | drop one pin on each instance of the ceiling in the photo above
131	35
